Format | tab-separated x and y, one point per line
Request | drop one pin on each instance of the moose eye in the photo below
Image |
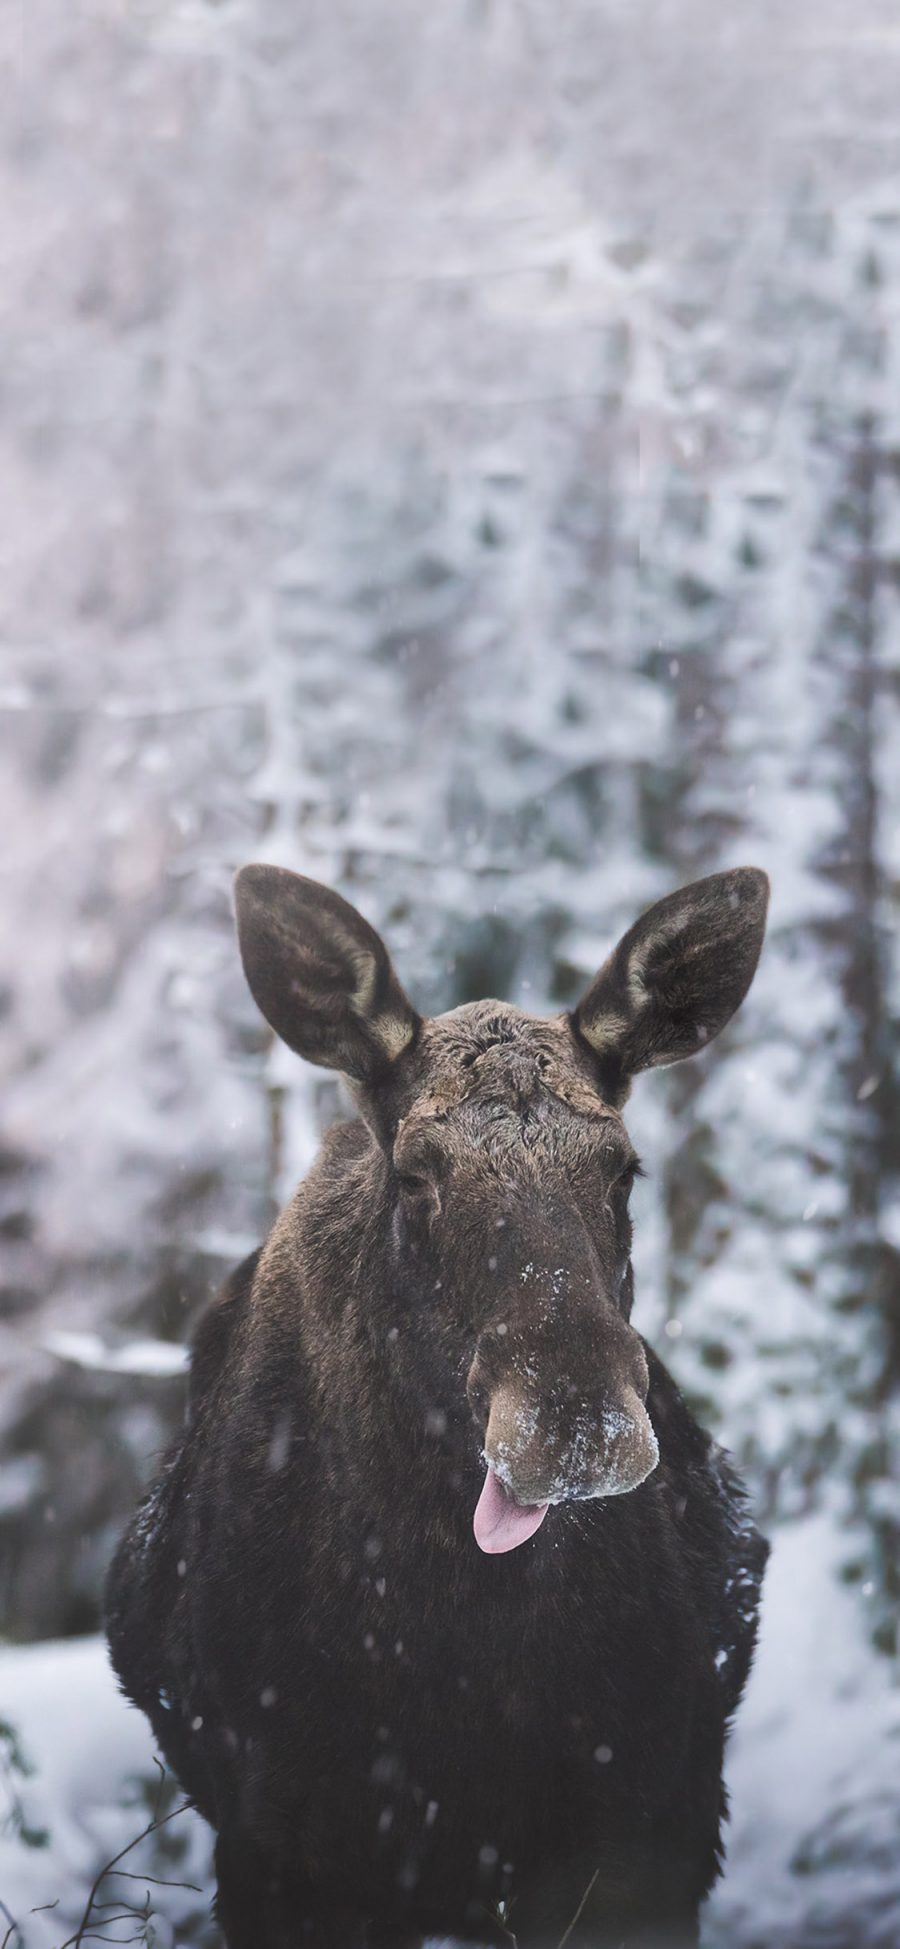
626	1178
412	1184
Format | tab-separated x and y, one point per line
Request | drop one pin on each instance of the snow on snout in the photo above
607	1454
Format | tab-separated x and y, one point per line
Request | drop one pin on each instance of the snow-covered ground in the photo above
90	1791
814	1845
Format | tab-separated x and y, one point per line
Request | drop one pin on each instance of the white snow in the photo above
92	1756
813	1767
150	1357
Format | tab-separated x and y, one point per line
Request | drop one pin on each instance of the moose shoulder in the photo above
442	1601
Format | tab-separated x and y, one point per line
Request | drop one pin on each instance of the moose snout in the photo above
541	1453
549	1438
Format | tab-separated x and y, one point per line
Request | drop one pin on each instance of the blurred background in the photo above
454	452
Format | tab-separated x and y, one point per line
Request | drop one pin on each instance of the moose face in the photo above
513	1176
509	1165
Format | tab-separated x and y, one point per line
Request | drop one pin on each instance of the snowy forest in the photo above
453	452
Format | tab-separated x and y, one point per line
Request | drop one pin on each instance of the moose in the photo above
443	1601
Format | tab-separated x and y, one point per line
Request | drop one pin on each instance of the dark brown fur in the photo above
392	1732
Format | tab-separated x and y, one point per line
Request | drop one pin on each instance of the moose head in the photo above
506	1164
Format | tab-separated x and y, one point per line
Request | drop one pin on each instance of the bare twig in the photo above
81	1934
578	1912
160	1786
157	1881
13	1929
133	1915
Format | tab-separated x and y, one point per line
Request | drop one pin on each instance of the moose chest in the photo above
434	1714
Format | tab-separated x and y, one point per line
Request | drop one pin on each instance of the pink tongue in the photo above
500	1523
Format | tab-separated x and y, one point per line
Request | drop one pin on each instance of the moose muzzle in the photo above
560	1441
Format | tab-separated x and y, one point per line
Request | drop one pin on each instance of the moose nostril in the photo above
632	1451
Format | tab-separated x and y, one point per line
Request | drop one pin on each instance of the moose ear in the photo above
677	976
320	974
